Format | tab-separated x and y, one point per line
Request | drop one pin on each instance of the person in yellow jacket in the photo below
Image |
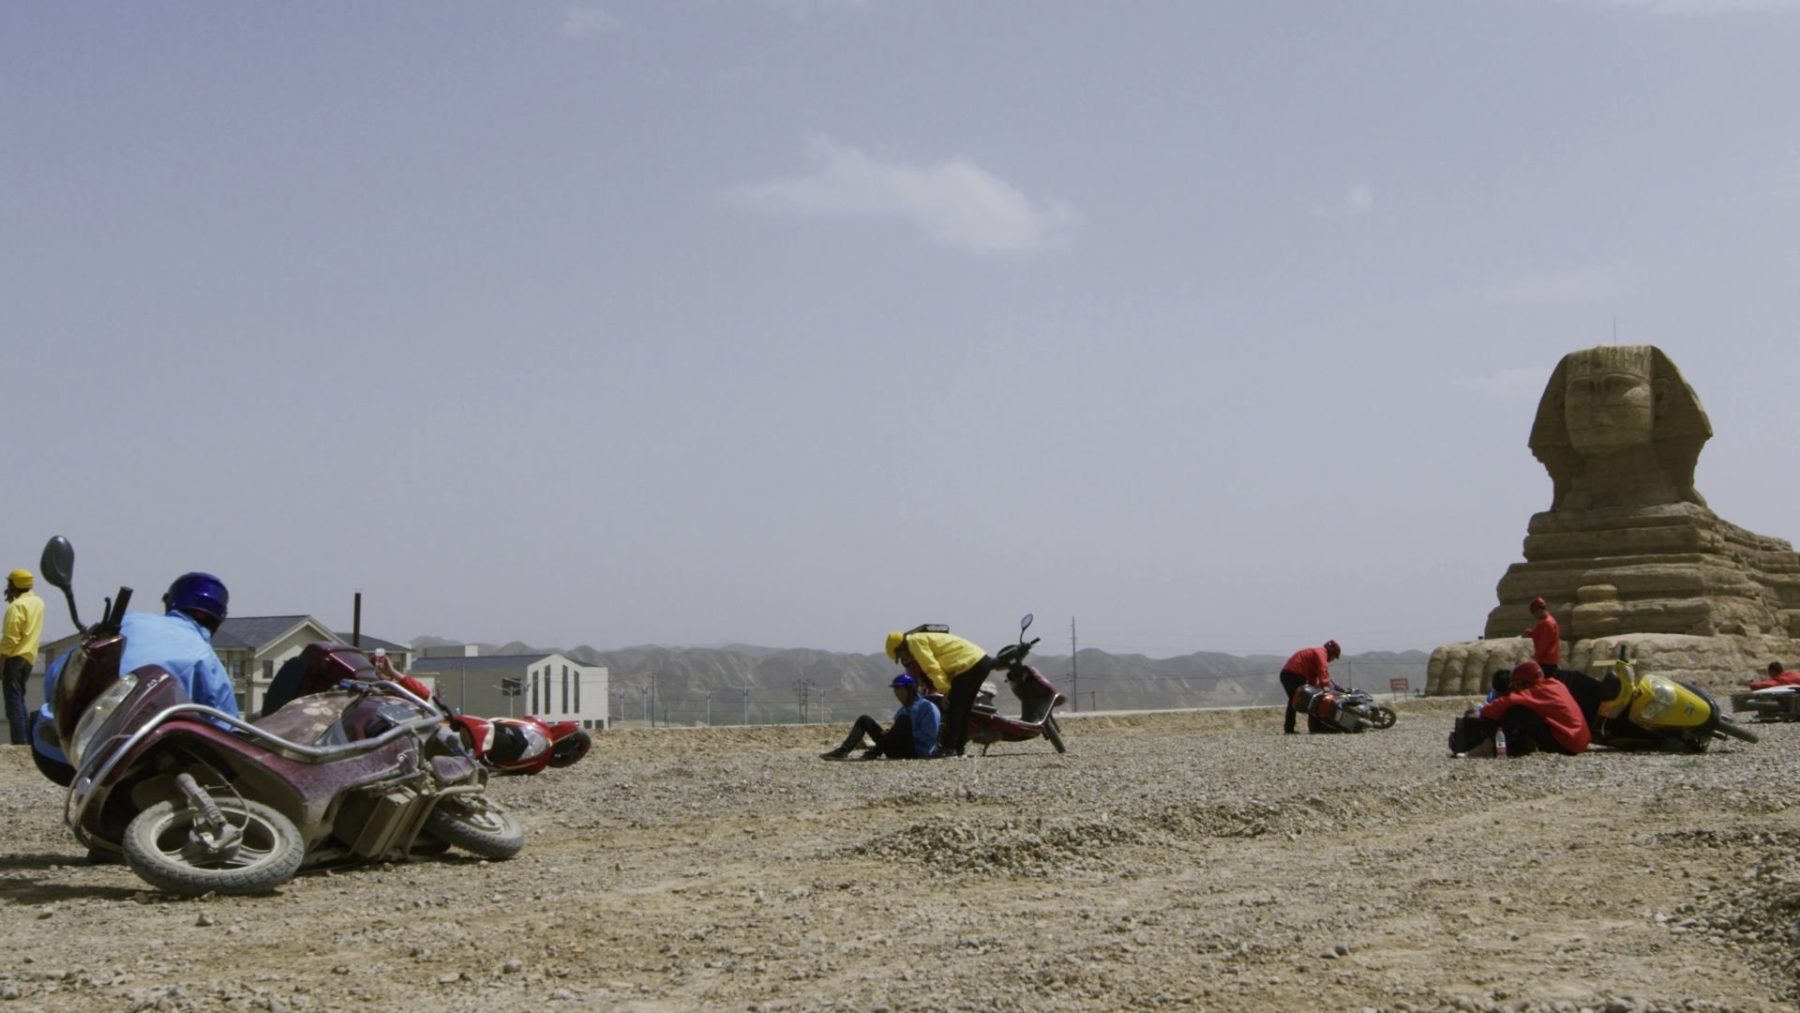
23	625
954	667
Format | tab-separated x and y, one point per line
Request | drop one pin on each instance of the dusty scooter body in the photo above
199	801
1038	701
1344	710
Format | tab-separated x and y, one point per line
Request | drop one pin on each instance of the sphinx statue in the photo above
1629	552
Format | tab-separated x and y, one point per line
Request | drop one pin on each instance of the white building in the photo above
548	685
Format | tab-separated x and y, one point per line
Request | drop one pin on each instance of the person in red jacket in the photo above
1537	712
1546	638
1309	665
1776	677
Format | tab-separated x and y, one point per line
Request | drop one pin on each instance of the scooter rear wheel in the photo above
159	848
1382	717
477	825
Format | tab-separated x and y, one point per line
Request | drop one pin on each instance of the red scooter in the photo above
524	745
198	801
1038	701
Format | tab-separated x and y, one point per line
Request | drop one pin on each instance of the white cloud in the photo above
583	22
1359	200
1575	286
1510	385
1703	8
954	202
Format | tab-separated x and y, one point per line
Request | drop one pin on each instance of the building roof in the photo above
370	643
250	633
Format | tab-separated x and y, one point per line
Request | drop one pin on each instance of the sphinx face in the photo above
1609	403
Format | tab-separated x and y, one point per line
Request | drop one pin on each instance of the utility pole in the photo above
746	691
802	687
709	694
1074	675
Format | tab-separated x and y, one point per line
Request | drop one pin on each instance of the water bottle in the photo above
1500	745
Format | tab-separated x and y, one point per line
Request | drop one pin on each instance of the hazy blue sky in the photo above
1213	325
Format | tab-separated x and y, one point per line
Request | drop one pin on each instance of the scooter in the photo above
1345	710
524	745
1628	709
1775	698
198	801
1038	701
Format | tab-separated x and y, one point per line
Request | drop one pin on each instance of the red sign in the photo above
1397	685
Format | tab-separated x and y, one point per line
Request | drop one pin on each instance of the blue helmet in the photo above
904	681
198	592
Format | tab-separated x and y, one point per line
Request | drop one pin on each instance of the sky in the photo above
791	322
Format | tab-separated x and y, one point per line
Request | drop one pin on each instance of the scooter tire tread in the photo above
171	874
1053	732
454	823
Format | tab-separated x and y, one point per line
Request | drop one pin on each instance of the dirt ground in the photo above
1188	860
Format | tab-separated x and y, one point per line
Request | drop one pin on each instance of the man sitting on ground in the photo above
914	733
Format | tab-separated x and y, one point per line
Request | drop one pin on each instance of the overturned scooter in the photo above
199	801
1629	709
1038	701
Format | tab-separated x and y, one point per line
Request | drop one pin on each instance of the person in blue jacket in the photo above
179	641
913	736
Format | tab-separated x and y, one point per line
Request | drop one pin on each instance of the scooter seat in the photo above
306	719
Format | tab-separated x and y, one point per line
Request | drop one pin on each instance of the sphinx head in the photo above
1618	424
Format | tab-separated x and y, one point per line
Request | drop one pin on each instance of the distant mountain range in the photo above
741	683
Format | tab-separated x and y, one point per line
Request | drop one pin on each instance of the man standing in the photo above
1309	665
19	647
1546	638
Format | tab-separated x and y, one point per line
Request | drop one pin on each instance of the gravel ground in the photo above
1190	860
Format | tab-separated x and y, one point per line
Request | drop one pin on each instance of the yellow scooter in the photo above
1636	709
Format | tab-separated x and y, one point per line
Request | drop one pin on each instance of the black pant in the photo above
963	690
17	674
1290	682
61	773
895	743
1526	733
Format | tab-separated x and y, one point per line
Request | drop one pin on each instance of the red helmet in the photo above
1332	649
1538	603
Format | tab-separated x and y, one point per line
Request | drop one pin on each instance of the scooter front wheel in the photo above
162	848
477	825
1053	732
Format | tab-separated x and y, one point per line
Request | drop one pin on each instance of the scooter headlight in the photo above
95	716
1662	697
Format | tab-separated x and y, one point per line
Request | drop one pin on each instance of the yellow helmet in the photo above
21	579
893	645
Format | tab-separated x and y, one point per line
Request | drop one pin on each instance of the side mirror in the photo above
58	563
58	566
1025	623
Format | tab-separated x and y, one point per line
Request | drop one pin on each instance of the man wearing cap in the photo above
1546	638
179	641
1309	665
913	736
24	624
